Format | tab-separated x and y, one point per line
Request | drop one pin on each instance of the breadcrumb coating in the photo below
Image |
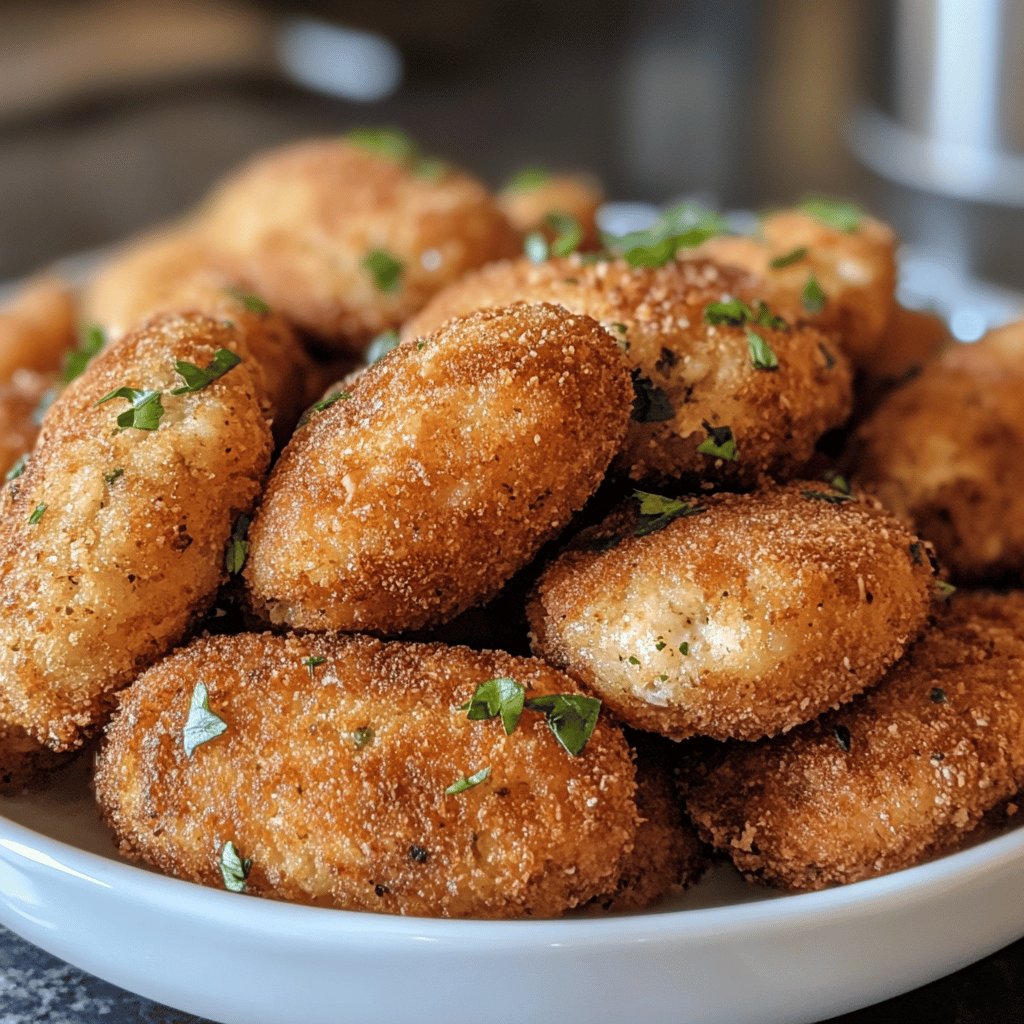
37	326
741	620
943	453
692	374
903	773
19	402
440	474
300	226
332	779
113	541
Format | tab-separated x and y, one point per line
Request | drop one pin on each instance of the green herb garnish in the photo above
500	696
18	468
679	227
361	737
312	663
467	782
380	346
572	717
650	403
79	358
324	403
656	512
944	590
37	513
202	724
145	408
233	868
813	297
684	648
114	474
719	444
568	233
789	258
526	180
385	269
252	303
736	313
196	377
389	142
238	547
840	214
762	355
829	497
938	695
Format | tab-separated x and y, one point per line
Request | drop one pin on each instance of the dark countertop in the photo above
36	987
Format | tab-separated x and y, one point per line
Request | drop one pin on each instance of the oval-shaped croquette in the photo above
904	772
452	460
762	392
943	452
735	615
347	241
113	540
332	772
37	326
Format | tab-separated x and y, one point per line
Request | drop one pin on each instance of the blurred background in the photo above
117	114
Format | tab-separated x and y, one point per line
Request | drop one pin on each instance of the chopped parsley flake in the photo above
238	547
789	258
829	497
396	145
659	645
114	474
233	868
202	724
684	648
736	313
650	403
813	297
467	782
380	346
633	660
196	377
325	403
944	590
252	303
362	737
144	412
78	358
386	270
938	695
762	355
656	512
572	717
313	662
719	444
840	214
680	227
526	180
37	513
838	482
502	697
18	468
418	854
568	233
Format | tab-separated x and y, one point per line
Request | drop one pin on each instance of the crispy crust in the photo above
36	327
443	473
787	604
296	224
113	572
931	750
19	400
943	453
330	823
705	371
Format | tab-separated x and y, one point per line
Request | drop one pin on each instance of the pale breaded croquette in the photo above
668	856
536	200
349	775
710	407
943	452
20	400
824	261
24	762
113	540
735	615
172	271
903	773
37	326
348	237
417	494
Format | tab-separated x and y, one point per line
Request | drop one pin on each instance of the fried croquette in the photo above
348	775
724	393
841	273
417	494
172	271
668	855
24	761
534	200
20	400
943	453
113	540
901	774
347	240
735	615
37	326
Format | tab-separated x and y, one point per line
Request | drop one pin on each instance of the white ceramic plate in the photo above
725	953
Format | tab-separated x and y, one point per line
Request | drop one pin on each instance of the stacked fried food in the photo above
561	585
